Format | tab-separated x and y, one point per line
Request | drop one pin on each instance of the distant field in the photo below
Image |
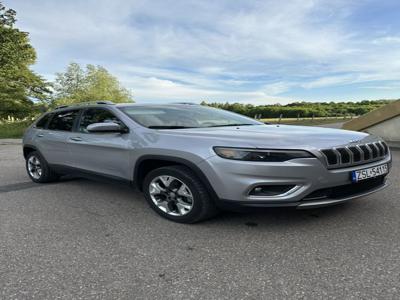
306	121
13	130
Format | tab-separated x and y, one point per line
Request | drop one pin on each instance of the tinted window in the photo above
63	120
96	115
43	121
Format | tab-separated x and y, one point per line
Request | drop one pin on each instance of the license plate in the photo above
372	172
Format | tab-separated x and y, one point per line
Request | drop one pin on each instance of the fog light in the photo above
270	190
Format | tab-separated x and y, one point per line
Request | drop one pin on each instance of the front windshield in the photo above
184	116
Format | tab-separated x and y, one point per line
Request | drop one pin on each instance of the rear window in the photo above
64	120
43	121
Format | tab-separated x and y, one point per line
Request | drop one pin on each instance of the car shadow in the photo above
250	218
282	216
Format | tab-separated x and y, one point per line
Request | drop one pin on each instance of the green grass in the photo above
13	130
306	122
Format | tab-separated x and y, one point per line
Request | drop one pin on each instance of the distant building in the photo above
383	122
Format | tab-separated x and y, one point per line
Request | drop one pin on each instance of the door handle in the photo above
40	135
76	139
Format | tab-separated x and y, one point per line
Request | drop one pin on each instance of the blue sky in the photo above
258	52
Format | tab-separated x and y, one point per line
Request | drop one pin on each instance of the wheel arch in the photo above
28	149
148	163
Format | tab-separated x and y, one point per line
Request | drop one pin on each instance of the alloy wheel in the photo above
34	167
171	195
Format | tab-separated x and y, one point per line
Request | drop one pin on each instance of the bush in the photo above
13	129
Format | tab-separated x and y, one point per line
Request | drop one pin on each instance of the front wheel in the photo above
175	193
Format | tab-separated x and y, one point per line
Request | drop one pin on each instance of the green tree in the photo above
18	84
301	109
94	83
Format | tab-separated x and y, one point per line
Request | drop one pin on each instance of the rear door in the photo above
103	153
52	141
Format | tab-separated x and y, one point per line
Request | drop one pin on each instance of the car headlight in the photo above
260	155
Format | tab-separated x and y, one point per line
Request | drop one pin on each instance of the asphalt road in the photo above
80	239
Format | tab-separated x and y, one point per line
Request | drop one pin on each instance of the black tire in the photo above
47	175
203	205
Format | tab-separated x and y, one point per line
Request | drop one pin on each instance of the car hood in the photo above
275	136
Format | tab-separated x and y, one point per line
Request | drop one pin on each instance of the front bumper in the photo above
304	203
233	180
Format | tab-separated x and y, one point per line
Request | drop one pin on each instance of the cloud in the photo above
248	50
158	90
278	87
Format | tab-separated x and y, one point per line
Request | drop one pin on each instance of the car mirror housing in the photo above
104	127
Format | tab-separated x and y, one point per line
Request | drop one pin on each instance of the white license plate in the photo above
369	173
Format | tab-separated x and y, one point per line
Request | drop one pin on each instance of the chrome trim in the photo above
275	197
361	151
338	156
369	150
351	155
339	161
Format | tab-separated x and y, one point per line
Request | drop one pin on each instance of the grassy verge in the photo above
13	130
306	122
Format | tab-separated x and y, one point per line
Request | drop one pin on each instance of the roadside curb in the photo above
10	141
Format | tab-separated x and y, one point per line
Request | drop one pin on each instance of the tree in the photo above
95	83
18	84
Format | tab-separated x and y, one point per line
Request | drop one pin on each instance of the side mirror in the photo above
104	127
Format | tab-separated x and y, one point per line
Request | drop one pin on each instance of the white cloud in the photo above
278	87
241	49
158	90
329	81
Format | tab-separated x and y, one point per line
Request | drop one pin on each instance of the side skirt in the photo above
66	170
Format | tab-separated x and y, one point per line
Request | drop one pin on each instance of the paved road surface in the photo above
79	239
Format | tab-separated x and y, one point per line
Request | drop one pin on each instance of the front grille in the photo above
354	155
347	190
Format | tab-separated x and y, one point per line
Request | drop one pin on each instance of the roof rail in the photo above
87	103
61	106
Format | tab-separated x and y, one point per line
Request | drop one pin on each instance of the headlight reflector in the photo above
260	155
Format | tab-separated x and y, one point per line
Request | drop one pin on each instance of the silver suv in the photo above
191	160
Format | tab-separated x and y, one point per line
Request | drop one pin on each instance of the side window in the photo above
96	115
63	120
43	121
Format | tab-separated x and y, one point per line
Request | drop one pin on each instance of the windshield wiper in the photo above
238	124
169	127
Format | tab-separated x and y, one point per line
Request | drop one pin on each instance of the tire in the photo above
45	174
182	181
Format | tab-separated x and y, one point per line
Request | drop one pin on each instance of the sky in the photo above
258	52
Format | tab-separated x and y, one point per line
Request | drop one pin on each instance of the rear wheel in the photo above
38	169
175	193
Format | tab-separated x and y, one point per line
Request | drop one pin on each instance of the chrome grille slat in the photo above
362	155
351	155
375	151
381	150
